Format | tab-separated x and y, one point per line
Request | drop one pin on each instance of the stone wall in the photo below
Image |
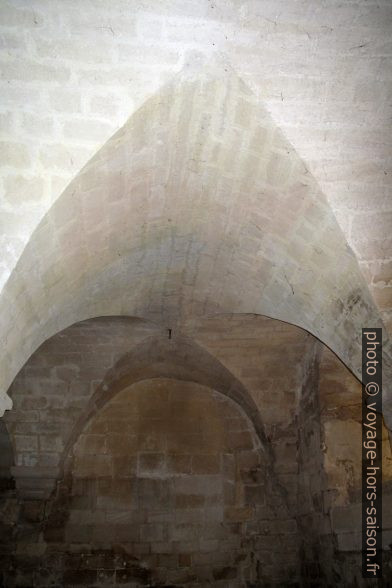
119	404
328	484
341	437
53	390
70	374
318	551
73	72
168	485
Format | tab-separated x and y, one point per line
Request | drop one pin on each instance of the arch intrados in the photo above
127	386
152	110
170	363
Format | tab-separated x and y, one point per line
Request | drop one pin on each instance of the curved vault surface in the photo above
197	206
73	375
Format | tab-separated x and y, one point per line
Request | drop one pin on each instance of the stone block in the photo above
153	532
179	464
79	577
198	485
87	130
14	154
34	72
153	493
65	101
151	464
127	533
90	466
124	466
51	443
235	440
225	573
347	519
189	500
280	527
27	443
90	445
349	541
255	494
206	464
132	575
189	515
106	577
238	514
286	458
79	533
32	511
248	459
184	560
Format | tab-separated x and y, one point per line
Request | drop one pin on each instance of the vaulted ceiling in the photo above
254	181
197	206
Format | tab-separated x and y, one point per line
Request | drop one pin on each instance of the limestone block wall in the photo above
6	452
340	398
72	422
167	485
53	390
330	490
250	347
73	72
68	378
270	358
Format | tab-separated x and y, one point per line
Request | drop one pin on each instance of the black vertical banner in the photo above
372	453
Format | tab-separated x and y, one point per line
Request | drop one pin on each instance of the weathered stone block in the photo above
206	464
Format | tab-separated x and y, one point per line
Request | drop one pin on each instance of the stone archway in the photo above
181	358
273	372
167	223
168	485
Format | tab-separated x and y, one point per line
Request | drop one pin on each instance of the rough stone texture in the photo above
340	417
167	485
330	491
71	376
112	400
